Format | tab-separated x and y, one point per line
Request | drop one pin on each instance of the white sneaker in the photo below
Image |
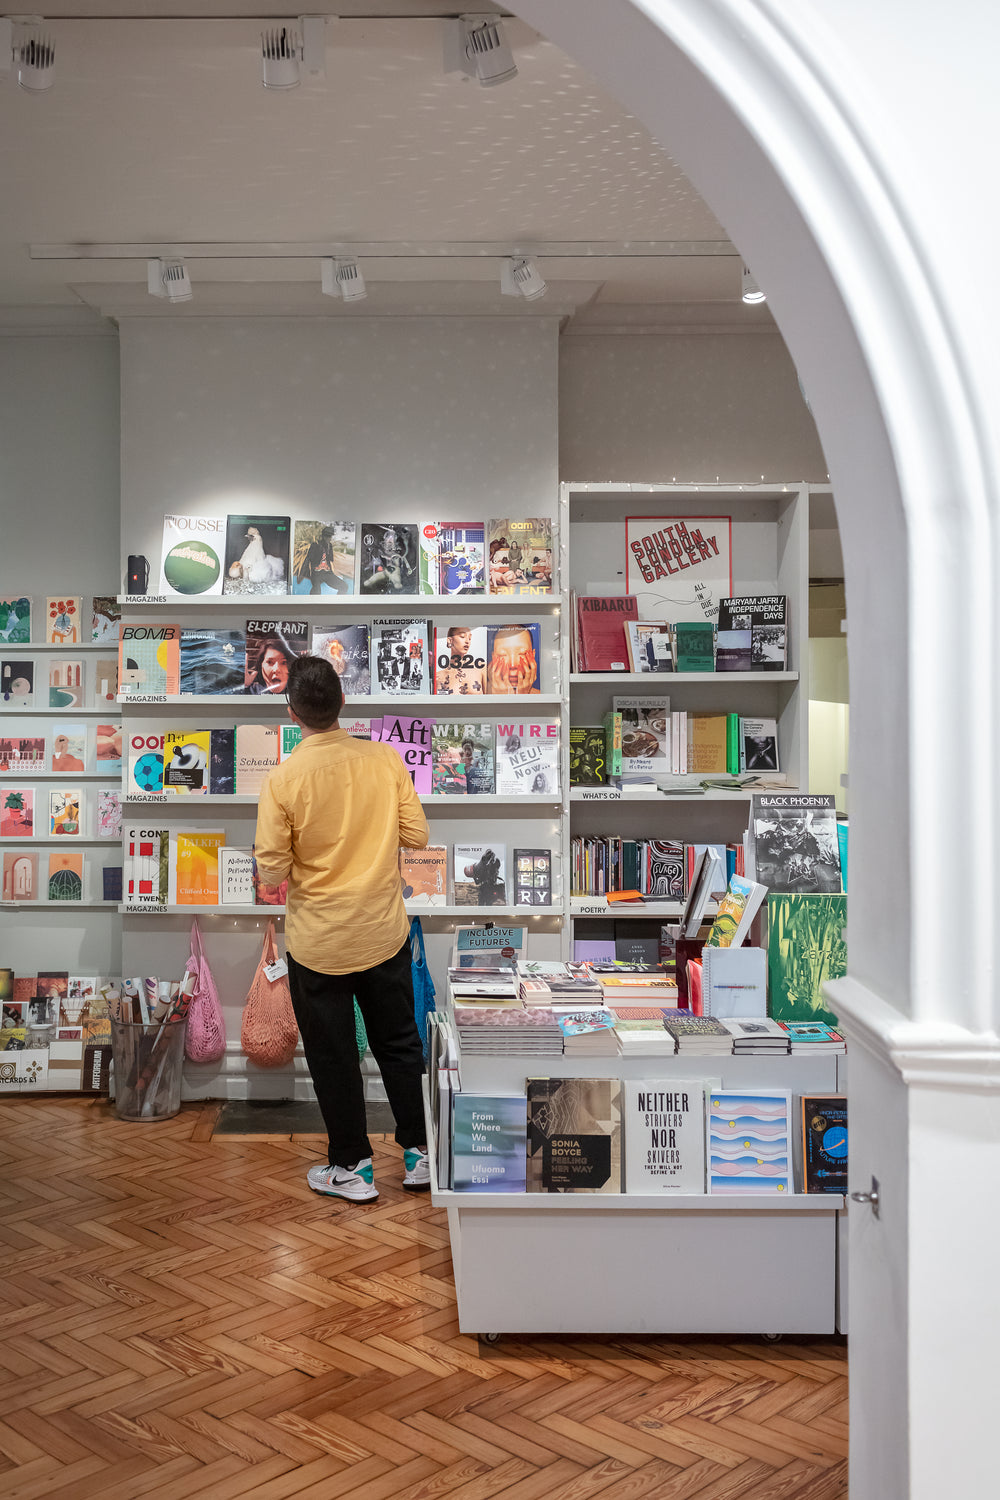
356	1183
417	1168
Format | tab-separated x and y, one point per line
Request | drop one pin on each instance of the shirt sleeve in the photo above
273	844
413	830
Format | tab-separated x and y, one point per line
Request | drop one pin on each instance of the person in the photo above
268	663
330	821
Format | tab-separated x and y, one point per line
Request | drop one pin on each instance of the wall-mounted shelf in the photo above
460	706
58	713
385	605
656	681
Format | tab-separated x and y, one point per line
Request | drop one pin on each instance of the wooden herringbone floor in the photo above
182	1317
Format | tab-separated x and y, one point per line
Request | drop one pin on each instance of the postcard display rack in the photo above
616	1263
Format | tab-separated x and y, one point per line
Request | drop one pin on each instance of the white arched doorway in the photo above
840	162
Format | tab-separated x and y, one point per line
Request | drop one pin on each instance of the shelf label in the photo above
599	794
590	911
145	911
142	697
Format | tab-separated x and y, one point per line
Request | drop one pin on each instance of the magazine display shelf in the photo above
378	604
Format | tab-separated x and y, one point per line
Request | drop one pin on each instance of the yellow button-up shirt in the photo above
331	819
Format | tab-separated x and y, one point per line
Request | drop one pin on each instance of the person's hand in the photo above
500	674
527	669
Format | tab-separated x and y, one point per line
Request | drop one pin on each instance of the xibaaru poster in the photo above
678	567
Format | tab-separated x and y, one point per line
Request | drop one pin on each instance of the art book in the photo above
222	762
15	622
733	650
64	813
602	632
109	815
400	656
106	617
765	616
105	680
520	556
212	661
513	659
149	658
480	876
532	877
236	877
489	1143
586	755
17	682
824	1143
192	555
63	619
527	758
412	742
694	646
423	874
806	947
65	876
289	739
256	753
460	659
645	737
257	555
66	679
574	1135
22	755
650	646
389	558
665	870
20	875
145	764
448	766
759	745
186	755
793	842
194	868
347	649
664	1126
736	911
749	1141
678	567
147	866
460	550
17	812
272	646
69	748
323	557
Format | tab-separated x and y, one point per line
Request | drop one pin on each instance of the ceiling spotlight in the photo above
520	277
168	278
477	47
286	52
28	46
342	278
751	291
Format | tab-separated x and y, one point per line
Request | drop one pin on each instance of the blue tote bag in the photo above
423	984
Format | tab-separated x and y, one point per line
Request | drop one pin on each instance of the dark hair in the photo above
259	649
314	692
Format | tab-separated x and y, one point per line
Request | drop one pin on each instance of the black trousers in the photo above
324	1009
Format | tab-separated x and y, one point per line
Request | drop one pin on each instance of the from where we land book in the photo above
805	948
765	616
574	1135
823	1124
460	659
520	557
602	632
664	1128
527	758
192	555
212	661
148	660
257	555
793	842
323	557
423	874
388	557
489	1147
749	1141
347	649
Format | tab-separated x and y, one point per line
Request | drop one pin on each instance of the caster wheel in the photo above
772	1338
489	1338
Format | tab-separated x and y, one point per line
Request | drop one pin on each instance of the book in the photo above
20	875
109	815
323	557
63	619
527	758
460	554
388	558
111	883
679	567
489	1146
759	745
664	1127
755	1036
106	617
66	683
708	876
805	948
602	632
399	655
707	736
289	739
235	877
22	754
513	659
108	747
448	767
148	660
106	679
69	748
347	649
765	616
645	737
222	762
665	870
186	755
192	555
271	647
147	865
532	872
736	912
733	981
423	874
749	1141
694	646
257	555
480	877
586	755
793	842
256	753
460	659
144	775
17	812
65	876
64	812
650	646
463	758
362	729
194	871
574	1135
412	742
824	1143
698	1035
520	556
733	651
212	661
613	736
17	682
15	622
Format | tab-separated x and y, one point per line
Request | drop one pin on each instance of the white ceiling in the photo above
157	133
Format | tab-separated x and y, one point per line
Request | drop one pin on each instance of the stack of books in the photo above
534	992
699	1035
571	985
491	1032
589	1033
484	982
634	981
813	1036
756	1036
642	1032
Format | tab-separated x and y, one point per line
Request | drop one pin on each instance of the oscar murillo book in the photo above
824	1143
645	737
148	660
424	875
602	633
520	556
527	758
186	755
749	1141
574	1135
257	555
194	866
194	548
412	742
256	753
489	1143
235	877
664	1128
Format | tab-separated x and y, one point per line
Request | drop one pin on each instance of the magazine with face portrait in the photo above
513	662
527	758
520	556
460	660
272	646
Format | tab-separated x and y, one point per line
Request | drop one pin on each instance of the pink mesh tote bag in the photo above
206	1028
269	1033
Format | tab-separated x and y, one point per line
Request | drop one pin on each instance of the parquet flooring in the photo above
182	1317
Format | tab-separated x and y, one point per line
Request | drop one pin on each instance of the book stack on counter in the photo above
485	1031
489	979
813	1037
624	979
571	986
589	1033
642	1030
534	994
699	1035
756	1036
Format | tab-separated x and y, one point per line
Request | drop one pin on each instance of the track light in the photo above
27	46
168	278
477	47
520	277
751	291
342	278
286	52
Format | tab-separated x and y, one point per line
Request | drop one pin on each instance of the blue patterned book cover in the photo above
748	1141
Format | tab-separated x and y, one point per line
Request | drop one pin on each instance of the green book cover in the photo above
612	743
586	755
694	646
733	744
805	948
